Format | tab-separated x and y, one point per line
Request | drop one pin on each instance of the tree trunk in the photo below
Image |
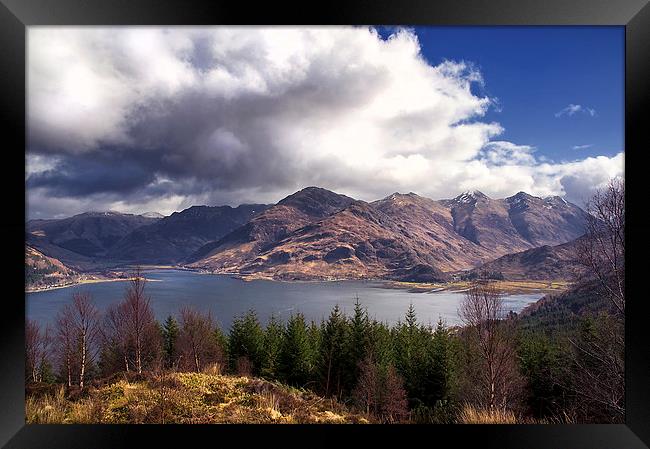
492	395
83	361
329	369
138	357
196	360
68	363
492	383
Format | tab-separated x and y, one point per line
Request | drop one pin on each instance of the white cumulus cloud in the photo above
162	118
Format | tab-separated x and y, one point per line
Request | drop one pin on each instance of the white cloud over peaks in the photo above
159	119
572	109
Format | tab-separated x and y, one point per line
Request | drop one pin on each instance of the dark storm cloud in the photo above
81	176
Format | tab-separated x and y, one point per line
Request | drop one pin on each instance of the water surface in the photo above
226	298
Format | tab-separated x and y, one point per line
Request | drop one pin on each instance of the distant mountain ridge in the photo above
90	234
403	236
318	234
173	238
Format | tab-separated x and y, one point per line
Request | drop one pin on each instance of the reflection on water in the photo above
226	298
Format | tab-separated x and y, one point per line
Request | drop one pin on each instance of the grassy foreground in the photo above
187	398
203	398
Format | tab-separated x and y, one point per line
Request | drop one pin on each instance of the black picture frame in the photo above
16	15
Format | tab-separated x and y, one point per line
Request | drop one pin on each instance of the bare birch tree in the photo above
380	391
116	333
602	249
65	338
35	348
366	391
597	370
138	317
85	325
46	350
196	340
498	381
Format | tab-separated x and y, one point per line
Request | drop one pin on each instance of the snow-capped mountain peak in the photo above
470	196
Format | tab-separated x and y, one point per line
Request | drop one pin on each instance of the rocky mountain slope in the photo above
246	243
318	234
404	237
173	238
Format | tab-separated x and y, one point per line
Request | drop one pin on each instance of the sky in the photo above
158	119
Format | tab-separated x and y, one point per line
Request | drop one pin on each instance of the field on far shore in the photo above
94	279
508	287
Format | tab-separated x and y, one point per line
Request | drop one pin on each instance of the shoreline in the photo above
82	282
507	287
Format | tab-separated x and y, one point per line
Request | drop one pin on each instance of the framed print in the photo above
408	218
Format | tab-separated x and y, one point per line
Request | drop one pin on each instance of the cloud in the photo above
582	147
139	119
504	153
572	109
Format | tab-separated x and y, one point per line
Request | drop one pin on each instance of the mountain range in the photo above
318	234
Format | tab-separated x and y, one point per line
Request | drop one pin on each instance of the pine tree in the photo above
359	344
246	342
334	356
380	342
541	363
47	373
411	318
442	362
271	345
295	353
410	359
170	332
314	337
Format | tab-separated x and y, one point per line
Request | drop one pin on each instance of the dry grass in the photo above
473	415
87	411
191	398
47	409
213	369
